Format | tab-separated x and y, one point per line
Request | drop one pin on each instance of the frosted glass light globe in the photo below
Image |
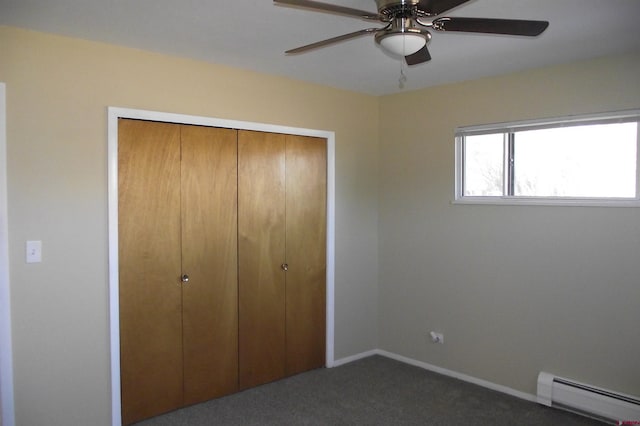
404	44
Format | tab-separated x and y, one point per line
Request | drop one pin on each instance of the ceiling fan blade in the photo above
491	26
332	40
326	7
419	57
436	7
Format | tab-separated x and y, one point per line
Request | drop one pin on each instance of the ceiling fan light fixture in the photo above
402	44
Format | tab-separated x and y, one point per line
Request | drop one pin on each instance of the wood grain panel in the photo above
149	257
209	257
306	187
261	244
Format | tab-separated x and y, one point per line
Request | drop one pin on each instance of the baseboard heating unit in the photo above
588	400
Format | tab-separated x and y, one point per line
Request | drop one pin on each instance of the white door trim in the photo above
114	313
6	352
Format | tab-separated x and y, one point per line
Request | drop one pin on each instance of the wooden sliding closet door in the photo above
178	266
306	238
149	257
209	258
261	252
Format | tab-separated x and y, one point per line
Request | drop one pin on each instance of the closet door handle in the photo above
184	278
284	267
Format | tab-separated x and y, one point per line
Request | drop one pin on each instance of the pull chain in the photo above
403	77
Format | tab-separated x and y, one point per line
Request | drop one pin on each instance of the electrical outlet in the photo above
436	337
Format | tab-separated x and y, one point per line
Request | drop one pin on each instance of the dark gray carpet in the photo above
371	391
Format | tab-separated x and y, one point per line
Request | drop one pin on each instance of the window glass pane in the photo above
577	161
483	159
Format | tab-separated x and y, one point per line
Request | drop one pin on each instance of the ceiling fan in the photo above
405	33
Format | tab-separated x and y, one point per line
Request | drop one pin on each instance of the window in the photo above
589	160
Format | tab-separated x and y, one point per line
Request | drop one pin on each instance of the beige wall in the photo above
515	289
58	90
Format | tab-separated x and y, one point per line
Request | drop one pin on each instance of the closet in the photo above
222	266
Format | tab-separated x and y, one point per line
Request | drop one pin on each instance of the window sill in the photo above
541	201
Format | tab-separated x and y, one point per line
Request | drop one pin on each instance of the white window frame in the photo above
601	118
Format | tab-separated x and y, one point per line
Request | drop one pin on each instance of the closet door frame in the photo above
115	113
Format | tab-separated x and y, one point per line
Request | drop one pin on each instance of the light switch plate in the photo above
34	251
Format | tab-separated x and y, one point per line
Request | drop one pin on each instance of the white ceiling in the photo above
253	34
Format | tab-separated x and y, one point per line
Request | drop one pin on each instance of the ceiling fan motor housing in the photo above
400	25
391	9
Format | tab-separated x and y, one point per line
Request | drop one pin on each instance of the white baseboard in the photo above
445	372
347	360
